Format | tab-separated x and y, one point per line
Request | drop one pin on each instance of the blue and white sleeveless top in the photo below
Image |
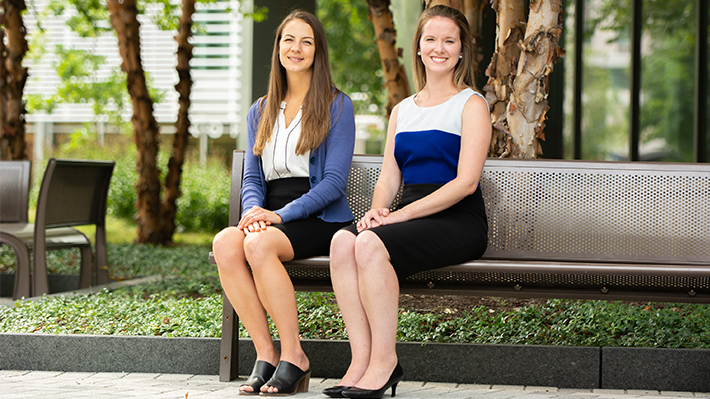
427	140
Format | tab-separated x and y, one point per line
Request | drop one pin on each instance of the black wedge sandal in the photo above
259	375
288	379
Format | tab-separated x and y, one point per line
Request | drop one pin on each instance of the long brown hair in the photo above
315	121
464	74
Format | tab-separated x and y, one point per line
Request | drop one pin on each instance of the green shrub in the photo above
204	205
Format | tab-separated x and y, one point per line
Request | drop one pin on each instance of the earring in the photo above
460	56
419	53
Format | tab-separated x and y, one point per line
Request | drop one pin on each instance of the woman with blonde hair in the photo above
437	142
300	143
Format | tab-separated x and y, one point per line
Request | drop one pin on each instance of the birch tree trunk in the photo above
395	76
146	135
528	103
510	29
3	141
182	125
14	76
475	11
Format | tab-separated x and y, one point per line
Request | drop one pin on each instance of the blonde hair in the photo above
464	74
316	105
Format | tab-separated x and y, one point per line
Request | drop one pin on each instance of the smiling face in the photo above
297	47
440	45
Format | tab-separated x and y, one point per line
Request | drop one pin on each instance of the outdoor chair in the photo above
14	199
72	193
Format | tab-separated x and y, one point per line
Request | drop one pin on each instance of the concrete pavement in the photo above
16	384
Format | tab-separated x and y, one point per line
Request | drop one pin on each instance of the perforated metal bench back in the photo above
598	211
584	211
578	210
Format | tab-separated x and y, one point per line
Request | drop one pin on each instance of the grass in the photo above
121	231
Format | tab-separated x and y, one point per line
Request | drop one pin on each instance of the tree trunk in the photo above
475	11
395	76
183	87
14	76
146	135
528	103
451	3
510	22
3	141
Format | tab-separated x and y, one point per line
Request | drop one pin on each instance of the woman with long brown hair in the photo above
300	143
437	142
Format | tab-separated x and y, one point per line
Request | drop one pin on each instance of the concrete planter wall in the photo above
558	366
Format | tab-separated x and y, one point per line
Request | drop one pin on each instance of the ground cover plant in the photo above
186	302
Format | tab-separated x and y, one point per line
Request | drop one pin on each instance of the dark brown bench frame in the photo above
557	229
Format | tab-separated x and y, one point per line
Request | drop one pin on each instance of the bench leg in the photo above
229	348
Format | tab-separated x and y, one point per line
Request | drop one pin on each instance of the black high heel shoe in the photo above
262	371
288	379
336	391
395	378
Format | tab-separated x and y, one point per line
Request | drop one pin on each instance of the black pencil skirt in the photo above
310	236
454	235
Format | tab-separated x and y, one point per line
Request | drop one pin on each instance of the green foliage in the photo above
79	70
572	323
90	19
116	313
605	123
204	204
184	269
667	72
352	52
186	302
557	322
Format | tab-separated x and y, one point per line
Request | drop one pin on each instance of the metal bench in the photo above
72	193
557	229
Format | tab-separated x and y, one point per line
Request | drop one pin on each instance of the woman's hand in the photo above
379	217
257	218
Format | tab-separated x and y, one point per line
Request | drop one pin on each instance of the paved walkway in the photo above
16	384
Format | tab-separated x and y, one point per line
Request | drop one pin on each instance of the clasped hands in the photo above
257	218
379	217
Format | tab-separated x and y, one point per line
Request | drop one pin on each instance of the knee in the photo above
369	249
258	247
342	245
226	241
227	249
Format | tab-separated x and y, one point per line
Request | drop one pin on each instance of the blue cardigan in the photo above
329	168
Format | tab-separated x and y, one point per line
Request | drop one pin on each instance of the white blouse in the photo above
279	159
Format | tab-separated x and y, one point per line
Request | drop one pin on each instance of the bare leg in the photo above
238	285
265	252
379	292
344	274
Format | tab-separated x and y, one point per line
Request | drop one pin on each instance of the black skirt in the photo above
452	236
310	236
